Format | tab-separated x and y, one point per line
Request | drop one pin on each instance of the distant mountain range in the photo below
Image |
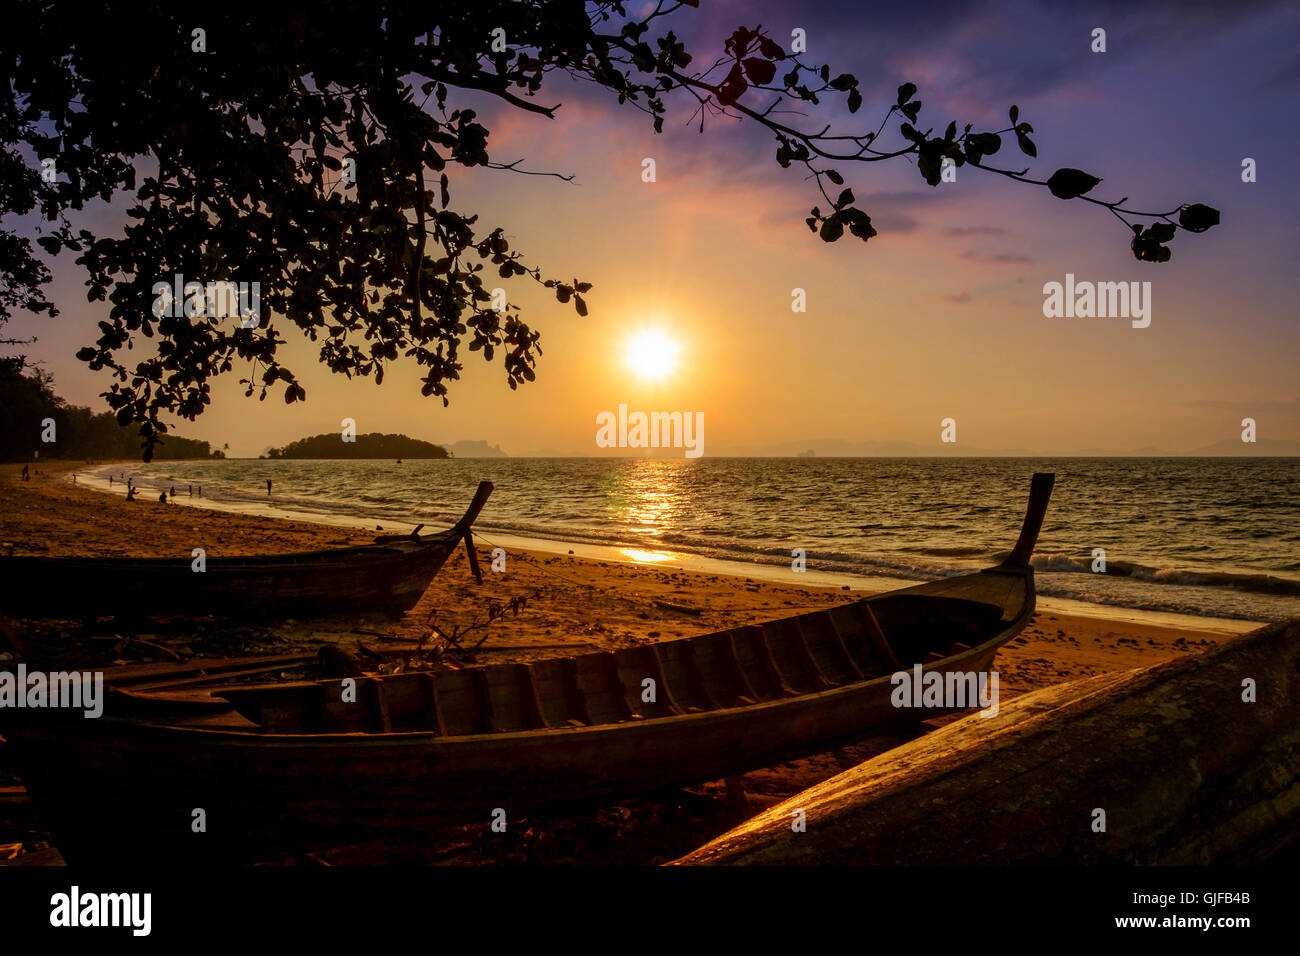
1267	447
837	448
475	449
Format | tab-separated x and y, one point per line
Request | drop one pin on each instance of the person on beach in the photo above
130	494
268	487
26	474
173	491
110	481
191	491
162	497
200	491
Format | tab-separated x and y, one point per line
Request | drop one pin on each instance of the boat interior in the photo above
812	652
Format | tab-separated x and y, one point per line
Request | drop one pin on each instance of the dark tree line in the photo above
29	410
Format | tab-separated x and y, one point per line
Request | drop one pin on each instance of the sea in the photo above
1212	537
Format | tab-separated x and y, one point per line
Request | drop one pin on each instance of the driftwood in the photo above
680	608
139	677
1185	770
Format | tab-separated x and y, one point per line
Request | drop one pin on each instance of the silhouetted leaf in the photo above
832	228
1067	183
1160	232
733	87
859	223
855	100
1026	144
931	167
835	177
759	71
905	92
846	199
1198	217
1146	249
1015	114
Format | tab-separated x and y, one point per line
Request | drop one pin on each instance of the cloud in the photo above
995	257
976	231
1285	77
1247	405
890	212
894	211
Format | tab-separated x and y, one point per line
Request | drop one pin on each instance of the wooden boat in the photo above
296	764
1190	774
392	574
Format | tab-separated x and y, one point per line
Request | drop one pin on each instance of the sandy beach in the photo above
569	604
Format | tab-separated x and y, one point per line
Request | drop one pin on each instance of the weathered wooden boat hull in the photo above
333	786
1185	769
390	575
298	764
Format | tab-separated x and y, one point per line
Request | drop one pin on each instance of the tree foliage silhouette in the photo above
311	149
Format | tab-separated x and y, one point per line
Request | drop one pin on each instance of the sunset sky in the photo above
939	316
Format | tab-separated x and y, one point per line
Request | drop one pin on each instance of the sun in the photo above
651	354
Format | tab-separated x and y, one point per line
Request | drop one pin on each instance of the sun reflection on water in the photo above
646	557
652	499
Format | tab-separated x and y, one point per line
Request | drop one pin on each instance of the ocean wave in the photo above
957	552
1236	580
591	503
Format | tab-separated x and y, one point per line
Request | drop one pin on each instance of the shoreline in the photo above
685	561
569	604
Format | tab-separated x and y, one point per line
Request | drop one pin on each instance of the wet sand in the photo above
570	605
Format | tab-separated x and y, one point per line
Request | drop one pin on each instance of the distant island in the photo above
369	445
476	449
